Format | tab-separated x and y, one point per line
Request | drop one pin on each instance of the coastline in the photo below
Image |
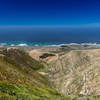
36	44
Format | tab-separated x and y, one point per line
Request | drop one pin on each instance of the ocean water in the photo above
24	36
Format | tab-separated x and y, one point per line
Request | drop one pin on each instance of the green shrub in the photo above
23	92
45	55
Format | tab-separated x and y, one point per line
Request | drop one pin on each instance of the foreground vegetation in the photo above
10	91
23	92
19	79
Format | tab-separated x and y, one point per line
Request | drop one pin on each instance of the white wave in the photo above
22	44
77	44
12	45
89	44
68	44
36	45
52	44
73	44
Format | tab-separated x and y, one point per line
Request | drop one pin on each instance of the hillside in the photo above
57	74
73	72
76	72
19	79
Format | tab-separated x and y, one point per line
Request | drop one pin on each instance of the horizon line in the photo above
67	26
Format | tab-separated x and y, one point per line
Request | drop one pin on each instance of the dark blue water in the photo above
49	35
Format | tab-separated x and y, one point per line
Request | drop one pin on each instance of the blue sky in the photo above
49	12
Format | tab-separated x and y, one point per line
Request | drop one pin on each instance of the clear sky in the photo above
49	12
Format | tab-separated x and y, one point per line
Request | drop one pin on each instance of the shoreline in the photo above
43	44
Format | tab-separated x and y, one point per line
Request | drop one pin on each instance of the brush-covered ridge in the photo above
19	79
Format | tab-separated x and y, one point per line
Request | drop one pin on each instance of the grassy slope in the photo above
24	92
20	81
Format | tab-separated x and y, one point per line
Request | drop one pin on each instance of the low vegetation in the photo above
23	92
45	55
19	79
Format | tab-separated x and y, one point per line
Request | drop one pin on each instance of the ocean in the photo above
32	35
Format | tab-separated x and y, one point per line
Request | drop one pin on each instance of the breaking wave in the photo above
24	43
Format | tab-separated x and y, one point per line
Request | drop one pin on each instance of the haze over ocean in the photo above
50	34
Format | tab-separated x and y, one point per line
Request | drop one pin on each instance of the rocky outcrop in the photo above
76	72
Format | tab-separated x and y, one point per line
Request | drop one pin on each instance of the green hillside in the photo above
19	79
